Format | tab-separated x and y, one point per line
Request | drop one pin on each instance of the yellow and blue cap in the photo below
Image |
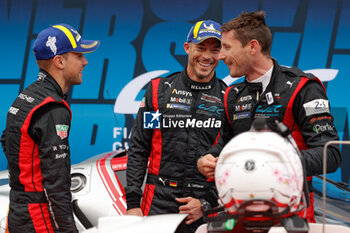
203	30
60	39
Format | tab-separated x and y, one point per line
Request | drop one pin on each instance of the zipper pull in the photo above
257	96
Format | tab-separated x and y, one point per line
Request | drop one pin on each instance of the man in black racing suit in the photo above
35	140
178	120
272	92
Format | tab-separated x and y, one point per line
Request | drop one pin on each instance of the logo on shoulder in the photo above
26	97
13	110
151	120
321	128
62	131
316	107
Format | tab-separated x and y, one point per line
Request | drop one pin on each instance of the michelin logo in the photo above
151	120
51	42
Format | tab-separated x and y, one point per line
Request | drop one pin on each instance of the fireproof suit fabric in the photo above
35	143
190	120
293	97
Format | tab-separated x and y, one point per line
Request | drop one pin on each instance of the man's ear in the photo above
254	46
187	47
59	62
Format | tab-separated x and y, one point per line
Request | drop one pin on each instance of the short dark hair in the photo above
249	26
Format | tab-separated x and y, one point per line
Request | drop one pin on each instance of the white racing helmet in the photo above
259	166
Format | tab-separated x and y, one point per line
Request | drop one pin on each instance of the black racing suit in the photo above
35	143
299	101
190	120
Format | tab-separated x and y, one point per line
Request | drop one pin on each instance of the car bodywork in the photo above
98	188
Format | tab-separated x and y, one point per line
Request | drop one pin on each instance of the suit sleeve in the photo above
312	113
54	157
138	154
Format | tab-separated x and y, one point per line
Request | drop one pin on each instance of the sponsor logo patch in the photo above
181	92
316	107
51	43
169	84
242	115
179	106
41	76
62	131
212	110
25	97
197	87
290	84
180	100
243	107
320	118
210	98
269	98
61	156
321	128
151	120
269	109
13	110
245	98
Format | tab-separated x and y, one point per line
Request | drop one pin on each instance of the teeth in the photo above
203	64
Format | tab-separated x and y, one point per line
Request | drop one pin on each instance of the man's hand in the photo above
135	211
193	208
206	165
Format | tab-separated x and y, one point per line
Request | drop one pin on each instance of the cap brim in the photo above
87	46
201	39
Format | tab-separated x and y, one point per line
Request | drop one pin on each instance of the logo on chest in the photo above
209	110
243	107
268	111
180	100
245	98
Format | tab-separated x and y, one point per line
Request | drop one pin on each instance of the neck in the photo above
57	75
259	67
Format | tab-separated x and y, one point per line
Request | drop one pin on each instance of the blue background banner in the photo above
141	40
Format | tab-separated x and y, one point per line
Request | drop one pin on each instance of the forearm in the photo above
314	160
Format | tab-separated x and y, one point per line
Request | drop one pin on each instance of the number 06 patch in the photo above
316	107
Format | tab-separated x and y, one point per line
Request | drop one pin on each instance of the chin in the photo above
78	82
